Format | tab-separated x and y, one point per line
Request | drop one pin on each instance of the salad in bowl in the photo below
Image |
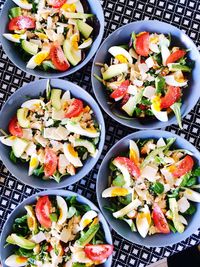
152	186
55	134
56	230
146	77
52	35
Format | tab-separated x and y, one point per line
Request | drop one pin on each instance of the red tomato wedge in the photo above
160	220
98	253
173	94
125	99
58	58
14	127
50	162
56	3
121	90
43	210
184	166
75	108
130	165
142	44
21	23
175	56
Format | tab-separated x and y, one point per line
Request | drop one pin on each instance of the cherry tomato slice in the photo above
130	165
184	166
98	253
175	56
43	210
125	99
58	58
142	44
21	23
121	90
50	162
75	109
14	128
173	94
160	220
56	3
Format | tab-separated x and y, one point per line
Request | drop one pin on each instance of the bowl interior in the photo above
122	227
16	57
33	90
122	36
20	211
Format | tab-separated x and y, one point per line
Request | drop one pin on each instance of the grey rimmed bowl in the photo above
122	36
121	227
15	57
20	211
33	90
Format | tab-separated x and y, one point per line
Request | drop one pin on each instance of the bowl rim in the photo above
107	109
61	192
72	69
101	143
158	134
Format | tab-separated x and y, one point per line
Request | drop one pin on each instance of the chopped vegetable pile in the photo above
55	134
153	187
58	232
147	77
52	34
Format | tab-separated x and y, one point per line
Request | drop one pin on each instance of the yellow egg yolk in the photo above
86	222
171	168
119	192
91	130
144	215
121	58
12	137
40	57
133	156
156	103
74	41
33	162
154	39
69	7
72	151
21	259
41	35
16	36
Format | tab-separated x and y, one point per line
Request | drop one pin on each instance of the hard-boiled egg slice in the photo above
117	50
132	89
134	153
33	164
16	261
33	104
87	219
72	155
116	191
165	54
192	195
37	59
149	92
155	107
79	7
76	128
8	141
63	209
132	206
23	4
14	37
170	80
143	221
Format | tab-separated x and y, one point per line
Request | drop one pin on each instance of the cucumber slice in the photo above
115	70
130	106
69	15
173	205
19	146
55	98
87	144
22	117
70	54
29	47
84	28
47	64
20	241
15	12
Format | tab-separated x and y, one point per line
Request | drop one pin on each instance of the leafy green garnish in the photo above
119	180
185	179
158	188
78	264
113	207
126	199
171	227
80	208
24	252
13	157
39	171
196	172
191	210
20	226
160	84
192	181
53	217
112	167
173	193
176	107
138	111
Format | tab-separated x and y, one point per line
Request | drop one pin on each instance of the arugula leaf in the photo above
39	171
196	172
126	199
191	210
13	157
80	208
192	181
158	188
20	226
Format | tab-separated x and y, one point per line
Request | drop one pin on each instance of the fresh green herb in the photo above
173	193
13	157
80	208
192	181
81	151
78	264
158	58
24	252
113	207
119	180
176	107
53	217
196	172
160	84
191	210
57	176
112	167
148	112
171	227
145	101
138	111
158	188
126	199
159	160
39	171
185	179
20	226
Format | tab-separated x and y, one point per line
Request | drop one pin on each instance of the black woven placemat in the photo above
184	14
